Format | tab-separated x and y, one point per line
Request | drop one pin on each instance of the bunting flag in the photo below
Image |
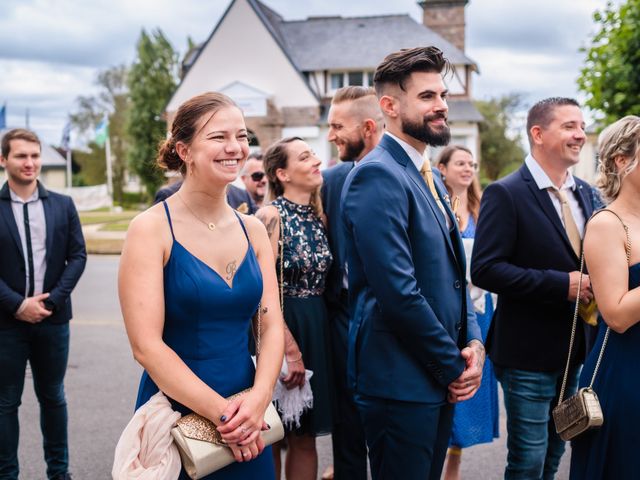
3	116
102	132
65	142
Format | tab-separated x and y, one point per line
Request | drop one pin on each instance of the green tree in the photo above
610	77
152	80
112	99
501	152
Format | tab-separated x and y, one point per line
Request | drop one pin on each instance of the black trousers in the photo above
349	445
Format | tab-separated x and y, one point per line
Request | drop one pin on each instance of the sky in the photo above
52	50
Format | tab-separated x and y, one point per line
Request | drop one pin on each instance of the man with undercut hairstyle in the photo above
414	343
355	128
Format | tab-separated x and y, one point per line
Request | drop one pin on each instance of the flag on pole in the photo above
65	143
102	132
3	116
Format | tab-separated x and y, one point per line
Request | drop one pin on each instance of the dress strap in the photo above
166	209
244	229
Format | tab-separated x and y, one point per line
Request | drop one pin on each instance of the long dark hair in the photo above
275	158
474	193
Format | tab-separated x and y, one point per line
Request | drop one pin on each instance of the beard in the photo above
425	134
352	149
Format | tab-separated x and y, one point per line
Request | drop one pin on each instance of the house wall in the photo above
242	49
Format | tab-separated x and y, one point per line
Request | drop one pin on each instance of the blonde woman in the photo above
614	269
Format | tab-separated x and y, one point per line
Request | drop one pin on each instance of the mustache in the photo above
436	116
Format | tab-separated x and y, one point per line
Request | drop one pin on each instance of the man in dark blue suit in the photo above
526	250
42	255
355	127
237	198
414	344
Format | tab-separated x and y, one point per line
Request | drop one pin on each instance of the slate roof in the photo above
337	43
461	110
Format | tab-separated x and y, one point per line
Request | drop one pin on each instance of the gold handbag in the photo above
582	411
201	447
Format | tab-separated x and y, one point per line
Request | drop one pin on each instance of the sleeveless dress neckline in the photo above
208	327
608	452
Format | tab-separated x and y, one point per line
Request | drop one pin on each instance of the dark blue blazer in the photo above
409	304
334	179
65	258
522	253
235	197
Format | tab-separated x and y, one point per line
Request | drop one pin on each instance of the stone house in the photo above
283	73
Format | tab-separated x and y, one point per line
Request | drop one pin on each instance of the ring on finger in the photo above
244	430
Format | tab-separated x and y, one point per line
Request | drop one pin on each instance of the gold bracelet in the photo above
294	361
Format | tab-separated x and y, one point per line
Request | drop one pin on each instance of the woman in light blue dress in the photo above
192	274
475	420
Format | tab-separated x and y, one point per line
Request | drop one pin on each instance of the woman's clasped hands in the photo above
241	423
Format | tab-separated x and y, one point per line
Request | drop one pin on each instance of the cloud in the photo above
52	50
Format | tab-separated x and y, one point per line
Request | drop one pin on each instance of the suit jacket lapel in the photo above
584	199
542	196
400	156
6	212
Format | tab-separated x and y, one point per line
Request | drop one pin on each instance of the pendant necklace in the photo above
210	225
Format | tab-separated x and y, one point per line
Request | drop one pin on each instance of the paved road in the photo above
101	385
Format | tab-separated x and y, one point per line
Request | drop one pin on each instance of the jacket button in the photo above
456	284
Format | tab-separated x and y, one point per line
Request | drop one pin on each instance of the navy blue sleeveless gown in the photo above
610	452
207	325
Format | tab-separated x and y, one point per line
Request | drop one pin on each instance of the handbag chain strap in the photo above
575	311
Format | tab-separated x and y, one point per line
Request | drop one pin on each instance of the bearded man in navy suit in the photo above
355	128
414	344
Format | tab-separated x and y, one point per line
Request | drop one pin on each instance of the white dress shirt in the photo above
38	228
418	160
544	183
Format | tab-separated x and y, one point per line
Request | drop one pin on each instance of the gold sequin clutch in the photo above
201	447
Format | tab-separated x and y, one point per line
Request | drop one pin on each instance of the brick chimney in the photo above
446	18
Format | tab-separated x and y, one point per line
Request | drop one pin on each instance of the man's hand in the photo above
32	309
586	294
467	384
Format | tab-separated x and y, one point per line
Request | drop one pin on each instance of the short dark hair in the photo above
398	66
17	134
541	114
255	156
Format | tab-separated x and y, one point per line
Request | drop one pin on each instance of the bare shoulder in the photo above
254	225
605	225
150	225
267	213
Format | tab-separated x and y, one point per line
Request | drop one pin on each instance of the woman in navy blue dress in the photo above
609	452
475	420
192	274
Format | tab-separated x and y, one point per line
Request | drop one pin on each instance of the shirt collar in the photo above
542	179
8	194
416	158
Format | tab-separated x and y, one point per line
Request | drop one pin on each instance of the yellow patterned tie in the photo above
427	174
588	313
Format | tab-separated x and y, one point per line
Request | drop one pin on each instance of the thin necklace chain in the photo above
210	225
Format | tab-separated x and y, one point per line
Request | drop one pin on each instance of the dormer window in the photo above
352	78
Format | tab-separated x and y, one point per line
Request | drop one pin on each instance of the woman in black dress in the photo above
294	217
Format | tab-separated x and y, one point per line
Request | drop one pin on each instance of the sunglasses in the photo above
257	176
